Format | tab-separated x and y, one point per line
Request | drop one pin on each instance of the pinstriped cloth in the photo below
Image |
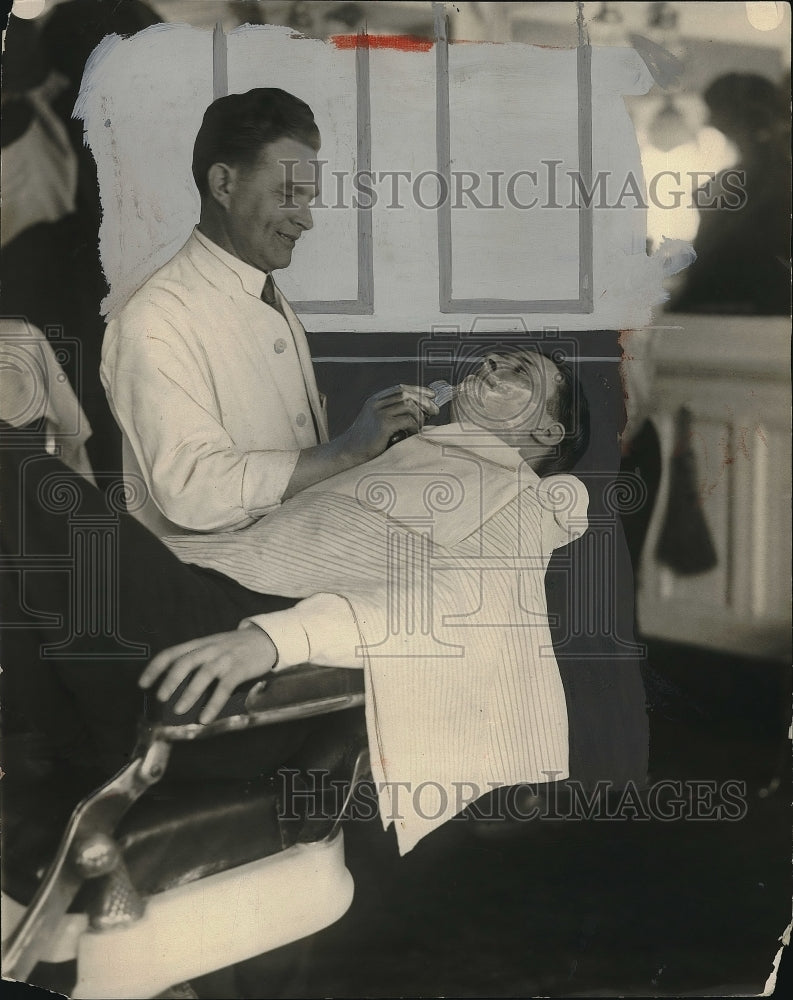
462	687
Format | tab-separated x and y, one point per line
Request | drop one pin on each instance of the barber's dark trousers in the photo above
88	597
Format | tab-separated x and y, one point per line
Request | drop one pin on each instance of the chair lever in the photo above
361	769
116	902
96	815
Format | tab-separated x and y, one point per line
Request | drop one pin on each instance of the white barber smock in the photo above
214	391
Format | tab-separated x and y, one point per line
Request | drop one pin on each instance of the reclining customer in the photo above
469	692
426	568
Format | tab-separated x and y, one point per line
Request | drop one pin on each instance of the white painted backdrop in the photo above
510	107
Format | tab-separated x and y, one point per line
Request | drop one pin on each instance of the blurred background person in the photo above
50	271
743	246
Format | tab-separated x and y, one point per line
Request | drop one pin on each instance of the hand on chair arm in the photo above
319	630
224	661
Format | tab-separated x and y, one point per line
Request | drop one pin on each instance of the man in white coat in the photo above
207	367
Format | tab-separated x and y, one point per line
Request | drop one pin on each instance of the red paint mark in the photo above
402	43
729	457
624	337
743	446
623	341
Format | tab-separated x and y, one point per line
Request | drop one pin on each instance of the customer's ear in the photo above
552	435
220	181
543	440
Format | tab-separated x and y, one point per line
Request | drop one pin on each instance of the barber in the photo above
207	367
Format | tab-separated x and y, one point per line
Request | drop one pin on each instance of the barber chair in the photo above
161	874
157	881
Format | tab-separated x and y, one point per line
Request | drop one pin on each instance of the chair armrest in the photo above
304	683
297	693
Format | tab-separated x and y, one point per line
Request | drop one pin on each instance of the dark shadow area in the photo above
593	908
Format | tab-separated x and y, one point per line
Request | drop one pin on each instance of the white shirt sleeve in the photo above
321	630
162	399
565	503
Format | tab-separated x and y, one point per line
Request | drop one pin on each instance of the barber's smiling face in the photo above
509	391
268	204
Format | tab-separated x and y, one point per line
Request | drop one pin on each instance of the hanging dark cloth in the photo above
685	544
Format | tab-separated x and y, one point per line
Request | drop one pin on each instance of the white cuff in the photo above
265	479
320	629
285	628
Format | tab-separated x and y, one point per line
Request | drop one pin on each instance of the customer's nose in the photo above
490	367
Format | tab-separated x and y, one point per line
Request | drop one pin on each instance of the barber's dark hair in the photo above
569	406
237	127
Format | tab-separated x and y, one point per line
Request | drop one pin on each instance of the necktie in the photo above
269	297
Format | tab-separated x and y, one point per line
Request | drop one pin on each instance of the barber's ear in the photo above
220	181
552	435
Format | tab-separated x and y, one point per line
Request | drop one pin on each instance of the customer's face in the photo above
268	206
510	391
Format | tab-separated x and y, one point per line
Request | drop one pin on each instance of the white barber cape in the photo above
439	548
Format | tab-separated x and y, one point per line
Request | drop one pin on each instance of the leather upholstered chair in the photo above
151	880
162	873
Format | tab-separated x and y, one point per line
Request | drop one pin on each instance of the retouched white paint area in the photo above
511	107
28	9
765	16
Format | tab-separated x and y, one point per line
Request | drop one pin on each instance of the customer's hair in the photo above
569	406
236	128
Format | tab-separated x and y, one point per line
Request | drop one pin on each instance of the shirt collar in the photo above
478	442
252	278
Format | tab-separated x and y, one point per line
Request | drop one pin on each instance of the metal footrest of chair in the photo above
85	851
217	921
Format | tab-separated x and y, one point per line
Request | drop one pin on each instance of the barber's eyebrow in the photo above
288	190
